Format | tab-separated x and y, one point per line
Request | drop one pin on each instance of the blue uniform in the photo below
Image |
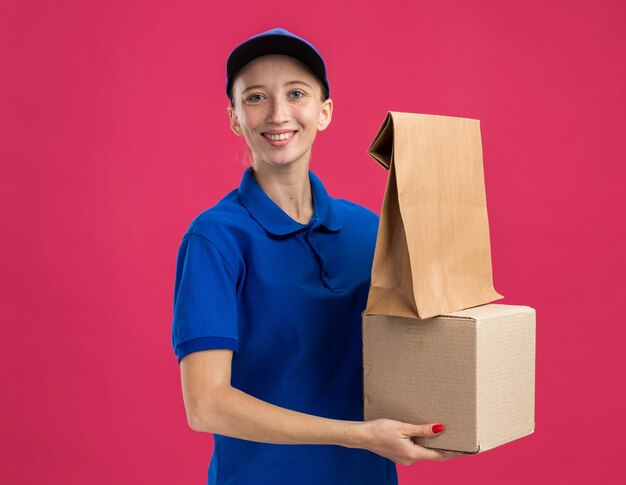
287	299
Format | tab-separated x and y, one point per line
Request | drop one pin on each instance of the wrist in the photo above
355	434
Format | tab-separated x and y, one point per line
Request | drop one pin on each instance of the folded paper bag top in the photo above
432	251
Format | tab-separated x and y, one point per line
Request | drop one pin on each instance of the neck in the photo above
289	188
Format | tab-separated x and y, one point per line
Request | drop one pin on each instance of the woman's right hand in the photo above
392	439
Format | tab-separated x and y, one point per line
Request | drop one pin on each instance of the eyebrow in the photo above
257	86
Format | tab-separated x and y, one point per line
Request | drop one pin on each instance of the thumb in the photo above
425	430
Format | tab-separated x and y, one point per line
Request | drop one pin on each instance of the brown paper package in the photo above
432	252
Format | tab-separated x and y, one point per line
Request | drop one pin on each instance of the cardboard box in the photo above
472	370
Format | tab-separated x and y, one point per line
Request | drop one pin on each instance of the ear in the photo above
326	115
234	121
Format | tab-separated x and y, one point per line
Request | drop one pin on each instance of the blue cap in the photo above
275	41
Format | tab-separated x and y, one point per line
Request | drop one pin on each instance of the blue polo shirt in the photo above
287	299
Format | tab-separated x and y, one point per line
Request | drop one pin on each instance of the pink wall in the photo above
114	135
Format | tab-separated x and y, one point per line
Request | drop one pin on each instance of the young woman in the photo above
270	286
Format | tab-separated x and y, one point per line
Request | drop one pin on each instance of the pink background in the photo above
114	135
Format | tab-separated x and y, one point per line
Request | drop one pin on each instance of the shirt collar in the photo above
276	221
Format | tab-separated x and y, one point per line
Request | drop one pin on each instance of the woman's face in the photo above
278	109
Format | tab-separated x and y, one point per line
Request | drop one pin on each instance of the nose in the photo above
277	111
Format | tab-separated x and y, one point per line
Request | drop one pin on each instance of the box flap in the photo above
490	310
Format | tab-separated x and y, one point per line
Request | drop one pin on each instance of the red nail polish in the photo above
437	428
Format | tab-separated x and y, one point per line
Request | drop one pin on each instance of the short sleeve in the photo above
205	299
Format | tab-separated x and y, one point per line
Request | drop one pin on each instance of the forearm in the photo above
234	413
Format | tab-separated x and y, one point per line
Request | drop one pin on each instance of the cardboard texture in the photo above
432	252
473	370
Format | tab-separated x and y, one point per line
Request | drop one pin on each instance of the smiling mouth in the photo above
279	136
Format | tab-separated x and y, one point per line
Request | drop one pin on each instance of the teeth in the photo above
275	137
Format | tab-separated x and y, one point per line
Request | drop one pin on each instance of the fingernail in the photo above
437	428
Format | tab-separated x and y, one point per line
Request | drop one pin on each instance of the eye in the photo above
255	98
296	94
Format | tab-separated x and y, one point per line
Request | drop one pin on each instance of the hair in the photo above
247	160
